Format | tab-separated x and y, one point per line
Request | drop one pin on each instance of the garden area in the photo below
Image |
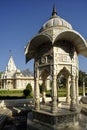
27	93
16	94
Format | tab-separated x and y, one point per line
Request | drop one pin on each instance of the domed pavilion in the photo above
55	51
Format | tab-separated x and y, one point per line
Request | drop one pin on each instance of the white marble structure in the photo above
55	50
12	78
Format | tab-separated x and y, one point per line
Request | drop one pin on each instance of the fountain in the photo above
55	51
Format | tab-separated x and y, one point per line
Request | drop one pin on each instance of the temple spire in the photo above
54	13
10	52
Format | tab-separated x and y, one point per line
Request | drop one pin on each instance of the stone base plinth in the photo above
40	120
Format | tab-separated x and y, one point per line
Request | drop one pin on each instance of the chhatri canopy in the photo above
63	30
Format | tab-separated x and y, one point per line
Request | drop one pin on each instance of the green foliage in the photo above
61	92
42	88
62	81
11	94
29	87
82	77
27	91
1	74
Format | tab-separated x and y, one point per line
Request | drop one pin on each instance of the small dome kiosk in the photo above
55	50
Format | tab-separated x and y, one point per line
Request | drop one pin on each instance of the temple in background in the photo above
13	78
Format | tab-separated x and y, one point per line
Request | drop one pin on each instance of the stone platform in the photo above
44	119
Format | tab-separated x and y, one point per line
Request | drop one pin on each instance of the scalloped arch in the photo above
35	43
74	38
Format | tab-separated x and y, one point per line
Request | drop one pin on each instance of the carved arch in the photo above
64	71
44	73
35	42
75	38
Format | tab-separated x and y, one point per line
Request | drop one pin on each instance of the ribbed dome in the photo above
55	21
54	30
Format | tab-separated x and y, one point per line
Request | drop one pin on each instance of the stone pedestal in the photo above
40	120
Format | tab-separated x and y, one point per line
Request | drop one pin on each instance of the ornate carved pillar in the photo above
83	88
72	93
77	91
54	83
68	90
44	93
57	91
37	93
54	95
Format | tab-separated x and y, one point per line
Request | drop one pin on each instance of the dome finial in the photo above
54	13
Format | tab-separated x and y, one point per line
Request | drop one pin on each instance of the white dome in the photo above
55	21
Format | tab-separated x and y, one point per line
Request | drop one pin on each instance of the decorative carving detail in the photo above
52	33
43	60
74	71
62	58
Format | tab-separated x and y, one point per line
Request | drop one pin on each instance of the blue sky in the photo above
20	20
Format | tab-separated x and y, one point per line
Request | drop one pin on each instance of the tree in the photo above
1	74
82	77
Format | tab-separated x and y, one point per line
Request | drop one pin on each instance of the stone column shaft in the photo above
43	93
68	91
72	93
54	95
77	91
37	93
83	88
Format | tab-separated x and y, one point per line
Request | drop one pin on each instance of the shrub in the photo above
27	91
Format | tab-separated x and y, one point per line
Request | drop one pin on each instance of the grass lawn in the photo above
62	92
11	94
